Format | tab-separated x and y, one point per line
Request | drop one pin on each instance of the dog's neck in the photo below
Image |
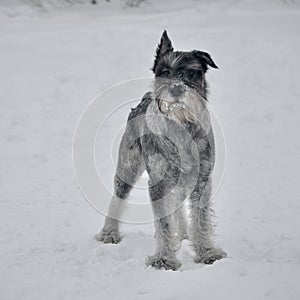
161	122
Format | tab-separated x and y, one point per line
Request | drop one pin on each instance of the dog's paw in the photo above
210	256
163	263
112	237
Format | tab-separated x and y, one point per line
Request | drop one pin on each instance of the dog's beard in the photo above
185	108
177	111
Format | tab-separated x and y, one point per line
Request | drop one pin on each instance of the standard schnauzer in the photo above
169	134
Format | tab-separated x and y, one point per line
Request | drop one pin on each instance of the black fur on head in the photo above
180	88
185	67
165	48
205	58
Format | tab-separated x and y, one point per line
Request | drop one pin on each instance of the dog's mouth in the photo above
176	110
167	106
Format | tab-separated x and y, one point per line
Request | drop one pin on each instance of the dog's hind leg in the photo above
181	223
201	230
129	169
110	231
180	216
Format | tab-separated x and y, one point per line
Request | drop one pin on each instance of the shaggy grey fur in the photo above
170	135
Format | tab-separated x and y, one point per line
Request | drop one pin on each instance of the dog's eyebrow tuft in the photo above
195	66
175	61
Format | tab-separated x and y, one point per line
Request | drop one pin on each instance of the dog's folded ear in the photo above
205	58
164	47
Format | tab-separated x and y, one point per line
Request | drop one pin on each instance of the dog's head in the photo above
180	86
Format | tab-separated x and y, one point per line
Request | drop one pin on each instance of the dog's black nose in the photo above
177	90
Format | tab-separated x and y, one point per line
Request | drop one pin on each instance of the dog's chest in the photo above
174	150
169	146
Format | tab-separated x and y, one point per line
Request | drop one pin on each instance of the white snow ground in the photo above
53	62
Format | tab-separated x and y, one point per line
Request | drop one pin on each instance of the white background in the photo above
54	60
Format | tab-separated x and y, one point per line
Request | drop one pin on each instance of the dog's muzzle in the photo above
172	97
177	90
169	106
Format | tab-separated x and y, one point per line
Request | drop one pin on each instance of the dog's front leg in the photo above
201	230
165	254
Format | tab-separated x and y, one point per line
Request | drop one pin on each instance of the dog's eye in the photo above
192	73
165	73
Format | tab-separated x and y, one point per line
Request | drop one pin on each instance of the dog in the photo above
169	134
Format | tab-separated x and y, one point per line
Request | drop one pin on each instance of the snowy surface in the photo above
54	60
